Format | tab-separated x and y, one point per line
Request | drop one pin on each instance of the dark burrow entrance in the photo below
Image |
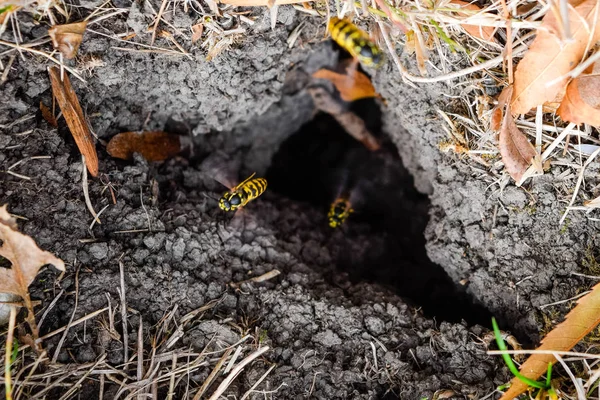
321	161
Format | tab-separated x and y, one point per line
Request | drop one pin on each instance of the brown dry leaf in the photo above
48	116
197	32
516	151
578	323
581	103
550	57
153	145
485	33
496	119
6	11
69	104
26	260
67	38
351	83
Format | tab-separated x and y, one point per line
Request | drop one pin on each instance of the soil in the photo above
392	305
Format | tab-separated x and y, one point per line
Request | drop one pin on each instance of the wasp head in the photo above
230	201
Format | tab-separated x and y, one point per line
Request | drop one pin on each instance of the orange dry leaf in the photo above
48	116
153	146
516	151
550	57
578	323
67	38
69	104
26	259
485	33
496	119
351	83
581	103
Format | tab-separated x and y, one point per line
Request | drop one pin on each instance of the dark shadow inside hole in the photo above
321	161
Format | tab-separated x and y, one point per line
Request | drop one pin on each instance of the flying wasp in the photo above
339	211
243	193
355	41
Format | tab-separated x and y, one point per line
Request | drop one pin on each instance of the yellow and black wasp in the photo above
355	41
243	193
339	211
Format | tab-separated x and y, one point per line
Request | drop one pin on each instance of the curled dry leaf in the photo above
581	103
351	83
48	116
485	33
579	322
516	151
69	104
497	112
153	145
550	57
351	122
26	260
67	38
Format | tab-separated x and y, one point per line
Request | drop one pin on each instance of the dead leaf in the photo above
69	104
48	116
153	145
351	83
582	100
516	151
550	57
67	38
579	322
26	260
197	32
6	11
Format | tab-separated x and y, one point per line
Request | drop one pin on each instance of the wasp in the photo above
355	41
243	193
339	211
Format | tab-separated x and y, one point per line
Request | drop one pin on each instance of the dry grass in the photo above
159	363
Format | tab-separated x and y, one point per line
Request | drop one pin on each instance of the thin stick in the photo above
124	315
262	378
172	380
227	381
213	374
50	307
86	194
158	17
41	53
64	336
140	355
9	352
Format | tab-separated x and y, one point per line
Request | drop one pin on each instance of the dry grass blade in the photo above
26	260
581	103
550	58
578	323
69	104
67	38
485	33
255	3
8	355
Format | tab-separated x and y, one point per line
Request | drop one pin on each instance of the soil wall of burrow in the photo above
503	242
327	309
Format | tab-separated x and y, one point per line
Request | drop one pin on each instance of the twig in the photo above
213	374
50	307
64	336
124	315
227	381
9	352
140	356
158	17
86	194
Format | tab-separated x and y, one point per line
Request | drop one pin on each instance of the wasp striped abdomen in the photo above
243	193
355	41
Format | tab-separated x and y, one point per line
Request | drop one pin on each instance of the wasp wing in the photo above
220	167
